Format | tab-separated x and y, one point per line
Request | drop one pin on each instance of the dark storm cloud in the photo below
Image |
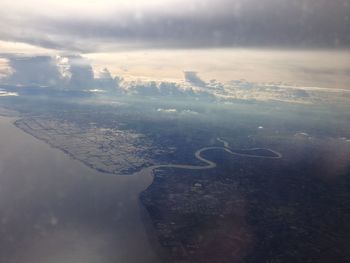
221	23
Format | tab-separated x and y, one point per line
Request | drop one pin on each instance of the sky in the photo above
305	42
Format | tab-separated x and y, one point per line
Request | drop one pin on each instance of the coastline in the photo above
36	177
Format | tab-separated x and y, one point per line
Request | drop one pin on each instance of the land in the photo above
109	150
252	210
271	209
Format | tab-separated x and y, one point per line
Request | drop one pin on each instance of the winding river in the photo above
208	163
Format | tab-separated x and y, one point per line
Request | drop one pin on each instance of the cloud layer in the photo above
75	73
90	26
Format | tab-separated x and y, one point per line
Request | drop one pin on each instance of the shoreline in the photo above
144	178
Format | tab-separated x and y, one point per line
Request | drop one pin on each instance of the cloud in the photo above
69	72
182	112
167	110
7	94
5	69
38	70
192	78
109	25
172	89
82	75
75	72
104	81
153	88
165	89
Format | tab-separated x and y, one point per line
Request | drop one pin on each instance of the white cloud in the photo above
183	112
4	93
5	69
167	110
